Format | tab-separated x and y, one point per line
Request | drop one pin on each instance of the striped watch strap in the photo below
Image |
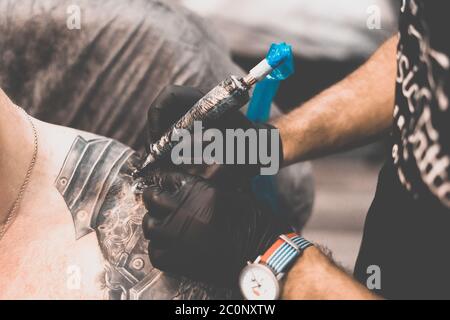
284	251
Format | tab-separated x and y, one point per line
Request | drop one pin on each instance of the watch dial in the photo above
259	283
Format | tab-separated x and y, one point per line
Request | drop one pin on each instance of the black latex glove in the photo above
204	231
172	103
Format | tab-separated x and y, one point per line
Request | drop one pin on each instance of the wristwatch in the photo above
260	280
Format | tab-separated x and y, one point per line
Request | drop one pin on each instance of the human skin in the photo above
78	232
316	277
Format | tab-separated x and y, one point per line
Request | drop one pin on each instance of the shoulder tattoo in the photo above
96	184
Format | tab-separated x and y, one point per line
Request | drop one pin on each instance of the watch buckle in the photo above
290	242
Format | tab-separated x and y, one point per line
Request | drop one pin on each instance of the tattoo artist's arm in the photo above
316	277
353	112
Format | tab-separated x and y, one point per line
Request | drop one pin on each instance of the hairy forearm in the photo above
316	277
353	112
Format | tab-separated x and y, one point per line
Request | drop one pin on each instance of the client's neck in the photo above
16	151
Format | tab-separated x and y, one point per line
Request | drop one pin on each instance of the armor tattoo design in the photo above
96	184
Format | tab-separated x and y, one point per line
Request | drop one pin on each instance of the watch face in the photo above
258	282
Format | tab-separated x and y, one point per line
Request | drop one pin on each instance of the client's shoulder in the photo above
93	169
97	184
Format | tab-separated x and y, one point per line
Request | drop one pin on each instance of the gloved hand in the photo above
173	102
204	231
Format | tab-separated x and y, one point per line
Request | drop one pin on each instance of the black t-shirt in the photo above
407	231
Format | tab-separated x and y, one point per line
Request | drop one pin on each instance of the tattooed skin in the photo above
97	187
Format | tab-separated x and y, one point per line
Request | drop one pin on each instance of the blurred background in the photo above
330	39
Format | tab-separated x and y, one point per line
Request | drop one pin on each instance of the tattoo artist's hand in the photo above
173	102
204	231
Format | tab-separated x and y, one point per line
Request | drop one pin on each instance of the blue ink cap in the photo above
280	58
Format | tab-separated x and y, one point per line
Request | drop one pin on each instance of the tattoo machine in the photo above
230	94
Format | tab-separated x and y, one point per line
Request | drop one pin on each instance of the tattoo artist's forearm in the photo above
353	112
316	277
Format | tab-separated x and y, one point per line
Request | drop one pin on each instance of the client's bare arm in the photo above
353	112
